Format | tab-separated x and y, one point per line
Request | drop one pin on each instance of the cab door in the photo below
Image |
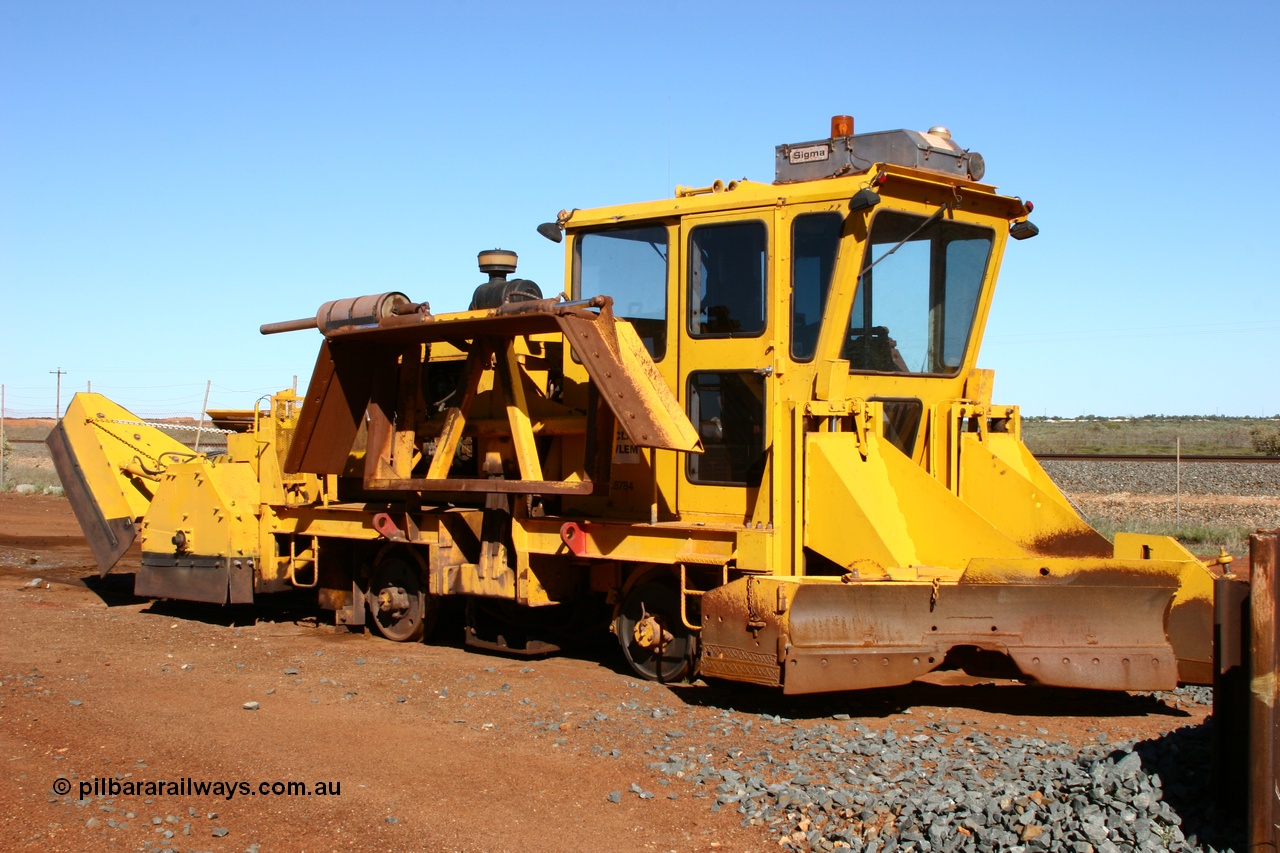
637	265
726	340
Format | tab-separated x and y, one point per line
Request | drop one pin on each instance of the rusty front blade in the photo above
1083	627
880	634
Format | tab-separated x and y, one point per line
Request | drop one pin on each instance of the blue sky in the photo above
174	174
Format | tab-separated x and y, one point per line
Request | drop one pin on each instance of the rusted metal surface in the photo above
530	648
612	353
380	419
1187	627
734	662
493	427
729	649
1086	572
1264	716
334	408
445	328
1072	543
601	427
354	378
216	580
511	380
1231	691
495	570
554	304
822	636
629	381
108	538
354	311
386	466
1049	632
456	416
298	325
477	486
354	612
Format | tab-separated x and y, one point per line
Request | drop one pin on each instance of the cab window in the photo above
917	295
901	421
815	239
630	265
727	408
727	280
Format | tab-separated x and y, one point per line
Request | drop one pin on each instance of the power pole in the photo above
200	427
57	412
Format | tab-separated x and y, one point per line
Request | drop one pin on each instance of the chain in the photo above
754	622
179	427
97	423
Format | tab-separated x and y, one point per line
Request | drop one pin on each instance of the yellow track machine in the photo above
751	433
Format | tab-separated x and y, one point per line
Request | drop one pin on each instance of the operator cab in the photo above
871	254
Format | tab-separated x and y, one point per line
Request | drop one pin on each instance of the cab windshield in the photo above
917	294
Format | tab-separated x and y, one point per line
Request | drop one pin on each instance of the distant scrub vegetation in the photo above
1200	434
1266	440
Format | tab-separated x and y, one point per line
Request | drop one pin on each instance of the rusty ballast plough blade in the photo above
1085	623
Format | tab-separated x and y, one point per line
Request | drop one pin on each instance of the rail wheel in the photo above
401	609
654	640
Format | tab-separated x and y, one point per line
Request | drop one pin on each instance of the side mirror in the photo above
1023	230
551	230
863	200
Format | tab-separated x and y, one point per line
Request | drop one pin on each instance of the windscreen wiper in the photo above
923	225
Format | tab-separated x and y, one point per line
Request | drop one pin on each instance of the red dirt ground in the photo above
435	747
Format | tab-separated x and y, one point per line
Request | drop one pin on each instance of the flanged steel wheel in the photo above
654	641
401	608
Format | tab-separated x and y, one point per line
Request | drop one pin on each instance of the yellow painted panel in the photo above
1143	546
215	505
1068	571
1196	580
1002	481
754	549
1190	621
885	508
108	439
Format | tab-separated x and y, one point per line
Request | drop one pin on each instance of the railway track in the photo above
1053	457
1150	457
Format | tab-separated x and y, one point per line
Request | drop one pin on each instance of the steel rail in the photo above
1043	457
1148	457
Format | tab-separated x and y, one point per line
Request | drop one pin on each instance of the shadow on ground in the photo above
1013	699
1183	759
599	646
